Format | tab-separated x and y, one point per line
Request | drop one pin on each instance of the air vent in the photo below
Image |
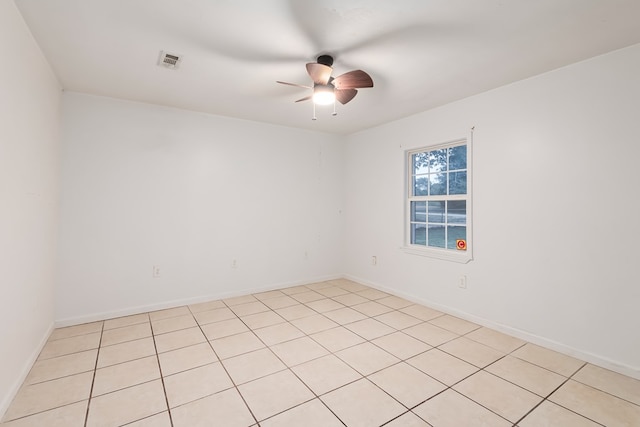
169	60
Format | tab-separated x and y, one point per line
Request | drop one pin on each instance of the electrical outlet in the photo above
462	282
374	260
156	271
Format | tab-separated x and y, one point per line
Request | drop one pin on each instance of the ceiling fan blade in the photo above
294	84
306	98
353	79
319	73
345	95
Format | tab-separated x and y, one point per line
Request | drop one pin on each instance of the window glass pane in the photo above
454	233
458	157
438	160
457	212
436	236
420	185
420	163
419	211
436	212
418	234
438	184
457	183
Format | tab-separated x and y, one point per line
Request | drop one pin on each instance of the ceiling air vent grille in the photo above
169	60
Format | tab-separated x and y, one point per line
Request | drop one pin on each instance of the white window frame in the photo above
460	256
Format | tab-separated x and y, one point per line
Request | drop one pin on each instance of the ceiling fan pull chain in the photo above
334	109
314	112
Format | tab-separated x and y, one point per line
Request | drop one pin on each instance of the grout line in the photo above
164	388
93	380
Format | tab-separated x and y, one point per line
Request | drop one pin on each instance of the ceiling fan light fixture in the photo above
323	94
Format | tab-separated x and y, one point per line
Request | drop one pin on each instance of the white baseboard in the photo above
26	368
603	362
71	321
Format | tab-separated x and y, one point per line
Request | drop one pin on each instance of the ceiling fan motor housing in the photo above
325	60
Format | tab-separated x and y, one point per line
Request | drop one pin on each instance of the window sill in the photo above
461	257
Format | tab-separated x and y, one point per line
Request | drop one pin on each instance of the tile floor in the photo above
334	353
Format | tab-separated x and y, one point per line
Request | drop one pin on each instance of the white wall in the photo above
556	208
144	185
29	121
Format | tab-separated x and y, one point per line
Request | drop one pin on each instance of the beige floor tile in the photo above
345	315
127	405
372	308
275	393
369	328
430	334
349	285
65	416
196	383
549	414
350	299
454	324
249	308
527	375
178	339
307	297
407	384
70	345
280	302
294	312
250	366
309	414
62	366
185	358
621	386
451	409
408	419
549	359
117	377
278	333
362	404
74	331
262	320
126	333
223	328
169	312
214	315
366	358
394	302
206	306
35	398
269	295
494	339
421	312
315	323
331	292
442	366
325	374
243	299
221	409
119	322
159	420
324	305
470	351
505	399
372	294
295	290
298	351
336	339
320	285
126	351
171	324
398	320
235	345
596	405
401	345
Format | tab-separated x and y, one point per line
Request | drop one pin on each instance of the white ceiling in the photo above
420	53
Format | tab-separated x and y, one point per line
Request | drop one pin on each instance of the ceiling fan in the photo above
327	89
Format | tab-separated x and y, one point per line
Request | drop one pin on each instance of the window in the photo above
438	202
